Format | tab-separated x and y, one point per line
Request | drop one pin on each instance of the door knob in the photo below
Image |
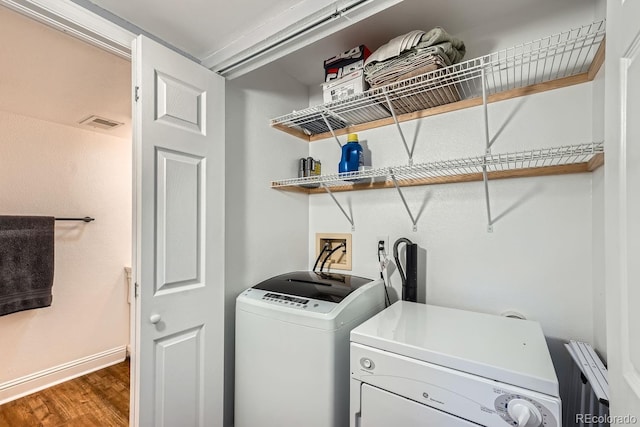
154	318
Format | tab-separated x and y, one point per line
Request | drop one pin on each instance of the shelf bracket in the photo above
485	109
486	195
395	119
324	117
488	143
404	201
350	219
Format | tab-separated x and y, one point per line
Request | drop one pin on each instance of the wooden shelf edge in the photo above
598	60
291	131
460	105
594	163
294	189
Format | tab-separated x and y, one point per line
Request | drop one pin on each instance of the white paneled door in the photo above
623	208
179	239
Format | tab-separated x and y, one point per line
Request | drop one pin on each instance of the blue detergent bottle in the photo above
351	155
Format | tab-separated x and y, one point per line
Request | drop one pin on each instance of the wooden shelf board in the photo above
594	163
595	66
460	105
446	108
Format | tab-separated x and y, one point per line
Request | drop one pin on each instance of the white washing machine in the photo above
292	348
423	365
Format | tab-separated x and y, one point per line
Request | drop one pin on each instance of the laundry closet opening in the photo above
59	161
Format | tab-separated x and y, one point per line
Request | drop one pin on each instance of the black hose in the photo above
341	245
395	256
324	248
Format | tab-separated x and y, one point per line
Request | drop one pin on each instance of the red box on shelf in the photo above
345	63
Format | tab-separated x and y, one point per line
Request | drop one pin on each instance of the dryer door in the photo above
383	409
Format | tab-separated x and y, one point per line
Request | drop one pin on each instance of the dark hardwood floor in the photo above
98	399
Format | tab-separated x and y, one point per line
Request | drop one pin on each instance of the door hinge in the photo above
136	290
137	94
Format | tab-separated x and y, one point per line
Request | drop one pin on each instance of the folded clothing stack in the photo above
410	64
412	54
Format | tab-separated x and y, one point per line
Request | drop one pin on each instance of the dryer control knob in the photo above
524	413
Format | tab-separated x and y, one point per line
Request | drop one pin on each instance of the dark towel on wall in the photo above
26	262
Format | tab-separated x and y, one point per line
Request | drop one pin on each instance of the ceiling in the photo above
197	27
52	76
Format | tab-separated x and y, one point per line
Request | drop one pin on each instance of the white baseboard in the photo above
31	383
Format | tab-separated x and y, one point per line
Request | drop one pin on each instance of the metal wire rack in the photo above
423	173
559	56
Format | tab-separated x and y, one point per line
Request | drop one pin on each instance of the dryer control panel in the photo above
523	411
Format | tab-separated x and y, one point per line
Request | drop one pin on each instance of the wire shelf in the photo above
559	56
429	172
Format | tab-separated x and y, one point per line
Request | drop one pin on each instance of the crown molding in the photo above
77	21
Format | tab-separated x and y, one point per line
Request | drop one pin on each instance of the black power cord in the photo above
341	245
324	249
403	277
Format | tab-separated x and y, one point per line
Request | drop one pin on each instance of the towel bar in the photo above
85	219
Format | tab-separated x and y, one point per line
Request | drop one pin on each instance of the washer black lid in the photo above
332	287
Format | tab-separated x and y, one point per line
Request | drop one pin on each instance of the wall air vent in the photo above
100	123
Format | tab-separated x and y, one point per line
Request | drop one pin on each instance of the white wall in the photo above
538	259
51	169
529	24
266	230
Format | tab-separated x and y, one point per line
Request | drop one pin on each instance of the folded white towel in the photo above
405	41
396	46
455	48
416	36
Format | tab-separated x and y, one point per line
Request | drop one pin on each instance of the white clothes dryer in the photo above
292	348
423	365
